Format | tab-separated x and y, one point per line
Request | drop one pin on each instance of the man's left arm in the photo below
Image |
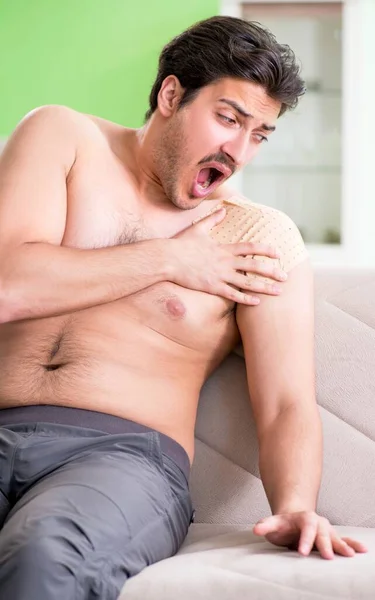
277	337
278	341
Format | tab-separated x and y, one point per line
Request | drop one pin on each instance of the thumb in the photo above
205	224
268	525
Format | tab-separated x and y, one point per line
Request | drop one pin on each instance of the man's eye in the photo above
228	119
261	138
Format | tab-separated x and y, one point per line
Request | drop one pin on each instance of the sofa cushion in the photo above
231	563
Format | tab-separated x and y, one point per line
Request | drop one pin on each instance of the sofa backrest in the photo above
225	482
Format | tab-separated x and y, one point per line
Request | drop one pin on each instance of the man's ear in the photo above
169	95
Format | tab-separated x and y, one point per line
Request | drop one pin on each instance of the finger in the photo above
269	525
307	538
323	543
226	291
254	284
251	248
357	546
207	223
341	547
257	267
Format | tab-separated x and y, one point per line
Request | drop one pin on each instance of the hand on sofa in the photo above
306	531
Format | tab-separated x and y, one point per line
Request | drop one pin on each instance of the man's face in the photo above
209	139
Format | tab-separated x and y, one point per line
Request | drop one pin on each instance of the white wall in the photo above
299	170
359	131
357	201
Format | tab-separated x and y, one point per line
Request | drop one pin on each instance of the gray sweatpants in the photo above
81	510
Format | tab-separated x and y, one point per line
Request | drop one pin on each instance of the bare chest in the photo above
104	211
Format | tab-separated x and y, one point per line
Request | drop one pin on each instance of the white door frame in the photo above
358	190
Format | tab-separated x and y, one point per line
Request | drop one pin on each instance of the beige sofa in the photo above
221	559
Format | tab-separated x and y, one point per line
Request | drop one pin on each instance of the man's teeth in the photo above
206	184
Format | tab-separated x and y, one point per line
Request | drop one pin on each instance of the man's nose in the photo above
238	150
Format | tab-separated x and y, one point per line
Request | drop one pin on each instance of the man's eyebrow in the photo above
245	114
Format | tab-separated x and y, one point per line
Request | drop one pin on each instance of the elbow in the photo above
13	299
295	415
4	308
7	306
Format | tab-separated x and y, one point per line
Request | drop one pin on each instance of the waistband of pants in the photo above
89	419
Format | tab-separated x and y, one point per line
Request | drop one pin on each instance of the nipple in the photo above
175	307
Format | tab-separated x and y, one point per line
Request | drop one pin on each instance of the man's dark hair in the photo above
222	47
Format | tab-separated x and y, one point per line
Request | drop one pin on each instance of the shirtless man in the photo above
115	309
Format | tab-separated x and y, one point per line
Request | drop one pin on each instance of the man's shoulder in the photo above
247	221
58	118
62	130
230	197
244	213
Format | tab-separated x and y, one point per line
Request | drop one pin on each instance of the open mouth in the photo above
208	179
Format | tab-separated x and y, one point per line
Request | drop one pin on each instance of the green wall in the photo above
97	56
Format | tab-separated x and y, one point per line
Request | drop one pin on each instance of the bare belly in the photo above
138	358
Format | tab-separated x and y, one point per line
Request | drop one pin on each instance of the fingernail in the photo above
283	276
277	289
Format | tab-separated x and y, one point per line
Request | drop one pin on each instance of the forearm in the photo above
42	280
291	460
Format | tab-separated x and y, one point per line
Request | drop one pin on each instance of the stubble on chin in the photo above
170	158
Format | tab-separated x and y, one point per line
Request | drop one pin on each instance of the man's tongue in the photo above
203	176
202	183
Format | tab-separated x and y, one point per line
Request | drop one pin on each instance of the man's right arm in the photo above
38	276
